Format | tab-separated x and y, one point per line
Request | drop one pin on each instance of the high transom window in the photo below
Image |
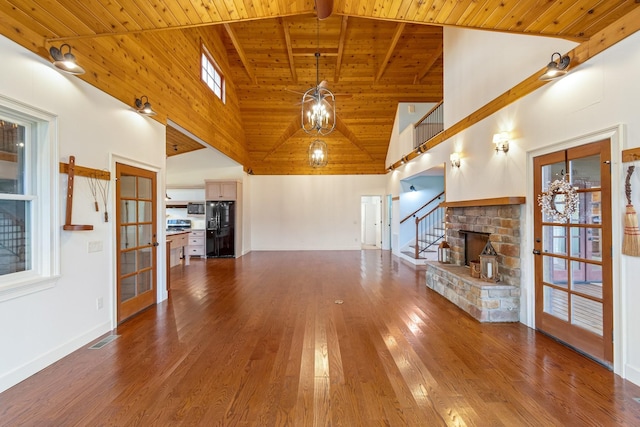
211	74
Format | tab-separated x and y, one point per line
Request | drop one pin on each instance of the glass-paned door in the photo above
573	257
136	239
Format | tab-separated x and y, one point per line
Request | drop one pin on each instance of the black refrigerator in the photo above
220	218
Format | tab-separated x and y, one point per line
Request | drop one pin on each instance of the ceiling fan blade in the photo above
324	8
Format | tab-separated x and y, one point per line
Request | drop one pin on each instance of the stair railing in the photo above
430	229
414	213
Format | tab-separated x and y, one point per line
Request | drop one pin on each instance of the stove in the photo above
178	224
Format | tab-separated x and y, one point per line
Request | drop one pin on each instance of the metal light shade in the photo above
143	106
65	61
318	156
557	67
318	114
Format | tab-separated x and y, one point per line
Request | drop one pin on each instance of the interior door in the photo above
136	239
573	282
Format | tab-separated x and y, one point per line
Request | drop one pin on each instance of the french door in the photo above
136	239
573	283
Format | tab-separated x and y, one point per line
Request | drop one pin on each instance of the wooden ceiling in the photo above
374	54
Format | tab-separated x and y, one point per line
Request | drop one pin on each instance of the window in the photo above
29	250
211	74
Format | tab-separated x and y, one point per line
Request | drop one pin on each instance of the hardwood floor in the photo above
261	341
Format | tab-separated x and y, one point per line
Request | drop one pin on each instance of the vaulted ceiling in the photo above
374	54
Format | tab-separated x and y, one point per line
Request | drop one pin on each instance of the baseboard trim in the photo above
632	374
23	372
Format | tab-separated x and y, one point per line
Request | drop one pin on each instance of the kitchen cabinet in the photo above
221	190
196	243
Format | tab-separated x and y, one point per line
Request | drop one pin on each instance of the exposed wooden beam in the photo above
343	36
392	47
241	53
294	126
344	130
427	66
287	39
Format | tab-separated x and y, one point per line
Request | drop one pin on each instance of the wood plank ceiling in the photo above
374	54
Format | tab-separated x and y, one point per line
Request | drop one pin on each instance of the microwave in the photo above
195	208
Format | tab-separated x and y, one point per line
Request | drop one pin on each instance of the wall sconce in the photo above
557	67
455	160
65	61
143	106
502	141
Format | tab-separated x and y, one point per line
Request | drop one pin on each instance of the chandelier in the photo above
318	154
318	114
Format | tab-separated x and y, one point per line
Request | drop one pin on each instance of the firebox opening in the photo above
474	243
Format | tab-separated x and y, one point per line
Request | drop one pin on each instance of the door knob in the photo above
155	243
536	252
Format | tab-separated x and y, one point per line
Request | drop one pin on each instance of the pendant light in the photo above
318	156
318	113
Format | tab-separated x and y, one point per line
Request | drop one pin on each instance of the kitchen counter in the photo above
179	241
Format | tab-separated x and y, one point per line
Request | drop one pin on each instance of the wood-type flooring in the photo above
346	338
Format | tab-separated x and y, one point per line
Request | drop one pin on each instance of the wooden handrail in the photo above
427	115
421	207
428	213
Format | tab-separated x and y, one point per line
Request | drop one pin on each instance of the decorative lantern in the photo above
489	263
443	252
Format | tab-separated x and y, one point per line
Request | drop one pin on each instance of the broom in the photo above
631	238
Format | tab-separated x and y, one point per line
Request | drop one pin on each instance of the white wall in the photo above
42	327
597	99
309	212
484	64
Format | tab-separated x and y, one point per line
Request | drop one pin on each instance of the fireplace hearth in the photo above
469	228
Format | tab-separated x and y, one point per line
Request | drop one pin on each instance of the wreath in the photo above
547	200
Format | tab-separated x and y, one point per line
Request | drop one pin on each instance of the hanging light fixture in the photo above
318	113
557	67
143	106
318	156
65	61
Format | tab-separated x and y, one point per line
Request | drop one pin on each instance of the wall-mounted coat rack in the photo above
630	155
72	170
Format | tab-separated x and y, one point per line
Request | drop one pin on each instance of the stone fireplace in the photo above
469	225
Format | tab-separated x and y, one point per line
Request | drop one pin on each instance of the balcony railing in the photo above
429	125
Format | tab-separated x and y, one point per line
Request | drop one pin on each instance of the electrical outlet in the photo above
99	303
95	246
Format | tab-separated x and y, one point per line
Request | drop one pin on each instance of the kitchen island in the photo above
179	242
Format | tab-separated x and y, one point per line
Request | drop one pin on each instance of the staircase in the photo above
429	230
12	243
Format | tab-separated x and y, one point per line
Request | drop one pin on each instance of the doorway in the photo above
573	264
136	240
371	222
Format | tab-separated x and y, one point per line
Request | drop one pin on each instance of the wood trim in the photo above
86	172
630	155
497	201
8	157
